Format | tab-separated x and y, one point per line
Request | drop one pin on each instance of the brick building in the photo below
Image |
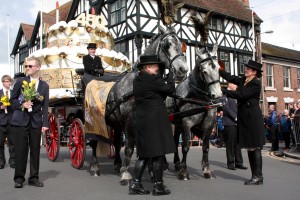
281	77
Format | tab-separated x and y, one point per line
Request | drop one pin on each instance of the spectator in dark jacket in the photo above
233	151
272	124
5	129
220	129
285	127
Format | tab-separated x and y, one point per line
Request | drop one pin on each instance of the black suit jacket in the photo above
5	118
92	64
229	112
39	115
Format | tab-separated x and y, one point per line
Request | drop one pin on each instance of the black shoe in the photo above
36	184
12	166
18	185
1	166
135	187
231	167
241	166
159	189
255	181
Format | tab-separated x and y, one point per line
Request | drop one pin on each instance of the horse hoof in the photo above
207	175
125	178
97	173
184	176
95	169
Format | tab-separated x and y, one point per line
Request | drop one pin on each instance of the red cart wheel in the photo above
77	143
52	138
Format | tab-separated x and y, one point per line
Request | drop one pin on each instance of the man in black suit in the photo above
28	126
92	65
233	151
5	117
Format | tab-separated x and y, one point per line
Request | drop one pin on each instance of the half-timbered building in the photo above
134	22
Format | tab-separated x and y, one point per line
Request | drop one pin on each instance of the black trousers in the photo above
287	139
25	138
275	139
5	132
233	151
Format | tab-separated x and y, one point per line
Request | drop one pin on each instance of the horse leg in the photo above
117	145
207	172
129	148
183	173
176	159
94	165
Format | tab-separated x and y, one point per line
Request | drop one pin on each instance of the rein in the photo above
162	47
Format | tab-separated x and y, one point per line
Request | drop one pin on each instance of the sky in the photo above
282	17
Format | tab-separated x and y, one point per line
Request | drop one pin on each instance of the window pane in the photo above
219	25
113	18
226	56
123	14
222	55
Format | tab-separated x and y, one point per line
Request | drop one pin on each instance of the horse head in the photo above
207	72
167	46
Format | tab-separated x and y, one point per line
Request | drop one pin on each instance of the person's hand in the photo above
27	104
44	129
222	65
170	77
3	107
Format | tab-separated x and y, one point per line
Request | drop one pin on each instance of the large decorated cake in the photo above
66	44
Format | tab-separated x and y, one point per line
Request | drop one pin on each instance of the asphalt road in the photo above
62	182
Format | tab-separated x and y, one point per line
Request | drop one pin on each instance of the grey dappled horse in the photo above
202	84
167	46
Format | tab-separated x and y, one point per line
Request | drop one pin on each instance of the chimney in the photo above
246	3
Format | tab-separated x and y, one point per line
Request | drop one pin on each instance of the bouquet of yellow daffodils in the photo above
29	93
5	102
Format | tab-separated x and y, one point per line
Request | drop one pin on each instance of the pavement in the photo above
293	152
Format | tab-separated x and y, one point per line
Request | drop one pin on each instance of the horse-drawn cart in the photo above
66	128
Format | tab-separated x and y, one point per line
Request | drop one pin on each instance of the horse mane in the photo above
154	38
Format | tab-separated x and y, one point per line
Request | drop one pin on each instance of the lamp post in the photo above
260	60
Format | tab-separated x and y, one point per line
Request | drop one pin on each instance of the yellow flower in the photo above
30	84
33	81
5	100
25	83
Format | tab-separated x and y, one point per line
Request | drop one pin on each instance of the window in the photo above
286	77
298	78
23	53
244	30
224	56
216	24
118	12
121	47
269	75
243	59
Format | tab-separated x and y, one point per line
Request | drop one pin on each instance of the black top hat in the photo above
148	59
92	46
254	65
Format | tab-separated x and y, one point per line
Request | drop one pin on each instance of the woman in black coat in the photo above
153	129
249	120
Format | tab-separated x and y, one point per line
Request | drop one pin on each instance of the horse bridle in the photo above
209	58
162	47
